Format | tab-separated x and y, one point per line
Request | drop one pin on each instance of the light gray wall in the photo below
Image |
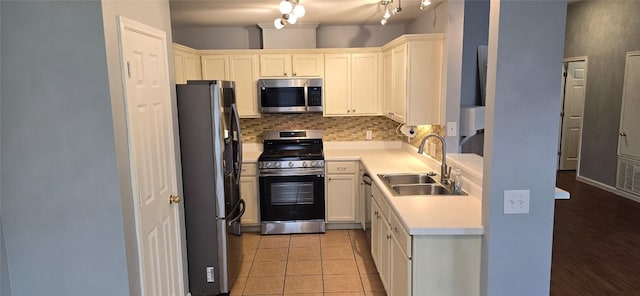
154	13
251	37
434	20
603	31
248	37
525	38
476	32
357	36
5	285
61	209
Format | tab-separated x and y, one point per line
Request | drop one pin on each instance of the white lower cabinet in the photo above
421	264
341	191
249	193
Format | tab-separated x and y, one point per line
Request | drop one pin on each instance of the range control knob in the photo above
313	164
290	164
304	164
277	165
269	164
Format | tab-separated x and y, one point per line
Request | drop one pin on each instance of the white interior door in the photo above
150	129
629	143
572	115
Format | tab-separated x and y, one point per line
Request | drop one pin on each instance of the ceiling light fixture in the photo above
389	10
424	4
291	11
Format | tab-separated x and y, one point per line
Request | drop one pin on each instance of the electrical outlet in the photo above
452	129
369	135
210	275
516	201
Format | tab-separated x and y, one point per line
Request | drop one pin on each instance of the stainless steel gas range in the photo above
291	176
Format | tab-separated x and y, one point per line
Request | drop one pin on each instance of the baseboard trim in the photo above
611	189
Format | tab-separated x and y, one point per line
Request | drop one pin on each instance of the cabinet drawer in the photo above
341	167
248	169
400	234
381	200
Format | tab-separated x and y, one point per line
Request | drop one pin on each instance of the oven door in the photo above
291	197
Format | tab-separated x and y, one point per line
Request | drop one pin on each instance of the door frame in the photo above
565	63
122	24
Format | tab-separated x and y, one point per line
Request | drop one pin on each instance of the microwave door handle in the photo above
239	152
306	95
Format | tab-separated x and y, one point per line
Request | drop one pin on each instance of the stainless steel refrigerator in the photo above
211	153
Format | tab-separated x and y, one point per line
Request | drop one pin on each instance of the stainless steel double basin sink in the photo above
403	184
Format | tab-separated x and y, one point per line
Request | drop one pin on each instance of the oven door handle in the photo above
292	174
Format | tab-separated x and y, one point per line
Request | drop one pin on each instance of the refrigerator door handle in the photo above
239	152
242	207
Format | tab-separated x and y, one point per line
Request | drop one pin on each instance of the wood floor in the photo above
596	242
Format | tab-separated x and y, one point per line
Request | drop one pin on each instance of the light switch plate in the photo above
369	135
516	201
452	129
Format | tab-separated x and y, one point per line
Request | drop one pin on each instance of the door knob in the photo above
174	199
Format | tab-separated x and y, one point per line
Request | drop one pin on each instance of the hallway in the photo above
596	242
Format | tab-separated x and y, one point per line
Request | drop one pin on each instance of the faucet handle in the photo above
448	170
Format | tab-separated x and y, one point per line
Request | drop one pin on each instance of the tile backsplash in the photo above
348	128
351	128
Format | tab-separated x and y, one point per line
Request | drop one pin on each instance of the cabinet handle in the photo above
390	113
294	74
623	134
285	73
354	110
348	111
388	236
395	229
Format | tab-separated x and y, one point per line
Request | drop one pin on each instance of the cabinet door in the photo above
387	84
215	67
385	254
179	67
249	192
307	65
341	198
376	222
401	275
192	67
364	84
399	83
243	69
275	65
629	143
336	84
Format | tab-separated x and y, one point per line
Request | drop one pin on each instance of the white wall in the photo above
61	211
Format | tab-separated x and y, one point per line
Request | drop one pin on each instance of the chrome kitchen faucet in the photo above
445	171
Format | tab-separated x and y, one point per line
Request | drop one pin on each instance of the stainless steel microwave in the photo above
290	95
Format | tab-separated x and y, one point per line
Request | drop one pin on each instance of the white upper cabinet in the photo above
241	68
292	65
352	84
187	64
413	94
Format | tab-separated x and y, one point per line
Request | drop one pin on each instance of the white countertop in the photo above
420	215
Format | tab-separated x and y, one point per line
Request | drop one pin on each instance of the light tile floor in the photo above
336	263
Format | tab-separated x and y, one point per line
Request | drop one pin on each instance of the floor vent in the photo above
628	178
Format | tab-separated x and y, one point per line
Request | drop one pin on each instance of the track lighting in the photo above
291	11
424	4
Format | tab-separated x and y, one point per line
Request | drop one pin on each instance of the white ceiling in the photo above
251	12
